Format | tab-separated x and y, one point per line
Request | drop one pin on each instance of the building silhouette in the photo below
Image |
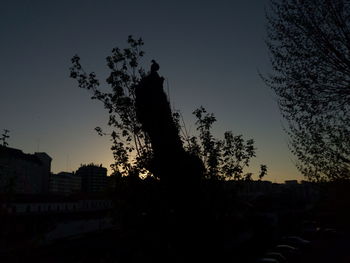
65	183
24	173
93	178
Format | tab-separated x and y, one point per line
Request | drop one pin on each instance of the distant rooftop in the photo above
7	152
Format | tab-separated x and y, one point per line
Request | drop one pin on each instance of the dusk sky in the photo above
210	53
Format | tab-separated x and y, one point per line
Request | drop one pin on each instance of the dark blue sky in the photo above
209	51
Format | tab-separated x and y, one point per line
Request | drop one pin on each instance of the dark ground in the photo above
139	242
114	246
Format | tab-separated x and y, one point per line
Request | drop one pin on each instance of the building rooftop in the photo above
7	152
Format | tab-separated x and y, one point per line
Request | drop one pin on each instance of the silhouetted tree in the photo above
5	137
223	158
309	44
130	146
211	146
263	171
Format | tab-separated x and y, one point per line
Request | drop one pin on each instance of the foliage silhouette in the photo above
130	146
5	137
309	45
225	158
132	150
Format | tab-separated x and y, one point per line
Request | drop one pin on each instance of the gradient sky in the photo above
209	51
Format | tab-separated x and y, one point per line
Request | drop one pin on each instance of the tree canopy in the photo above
309	45
223	158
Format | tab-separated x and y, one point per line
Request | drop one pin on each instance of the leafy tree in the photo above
263	171
131	148
5	137
309	44
223	158
210	146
